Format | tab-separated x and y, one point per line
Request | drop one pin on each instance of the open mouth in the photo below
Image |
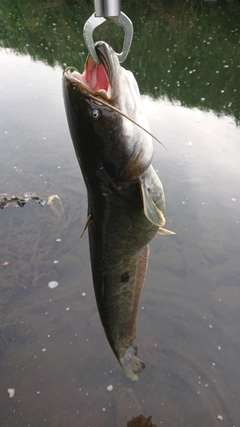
94	78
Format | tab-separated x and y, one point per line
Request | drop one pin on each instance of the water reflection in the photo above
141	421
195	59
53	350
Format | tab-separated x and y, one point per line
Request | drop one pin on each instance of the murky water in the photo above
56	366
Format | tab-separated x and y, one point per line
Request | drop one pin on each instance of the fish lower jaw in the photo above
74	78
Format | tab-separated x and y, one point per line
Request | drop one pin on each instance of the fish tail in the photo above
131	365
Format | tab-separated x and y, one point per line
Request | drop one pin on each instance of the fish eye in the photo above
94	114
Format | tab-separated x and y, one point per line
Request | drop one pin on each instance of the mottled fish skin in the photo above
125	200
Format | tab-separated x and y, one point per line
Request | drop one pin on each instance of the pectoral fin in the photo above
151	211
89	219
164	231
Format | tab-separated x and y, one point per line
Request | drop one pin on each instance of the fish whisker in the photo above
101	101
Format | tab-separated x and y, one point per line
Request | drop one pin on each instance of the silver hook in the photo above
94	21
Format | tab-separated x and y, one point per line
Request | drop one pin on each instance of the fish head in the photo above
92	101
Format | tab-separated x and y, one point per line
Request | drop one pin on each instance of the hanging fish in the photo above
125	196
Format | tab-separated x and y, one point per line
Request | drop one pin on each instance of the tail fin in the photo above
131	365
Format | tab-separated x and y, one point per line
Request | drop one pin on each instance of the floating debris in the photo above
55	204
110	388
52	284
11	392
54	201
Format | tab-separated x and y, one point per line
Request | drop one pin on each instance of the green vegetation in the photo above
188	52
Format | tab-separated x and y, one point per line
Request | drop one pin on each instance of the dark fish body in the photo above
125	195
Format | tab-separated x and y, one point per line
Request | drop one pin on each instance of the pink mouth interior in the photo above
94	76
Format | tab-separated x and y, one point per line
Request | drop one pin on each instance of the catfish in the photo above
126	200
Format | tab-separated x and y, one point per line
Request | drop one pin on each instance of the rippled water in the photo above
56	366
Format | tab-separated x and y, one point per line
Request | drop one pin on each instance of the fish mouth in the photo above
96	79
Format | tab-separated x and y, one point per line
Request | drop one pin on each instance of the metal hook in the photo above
94	21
